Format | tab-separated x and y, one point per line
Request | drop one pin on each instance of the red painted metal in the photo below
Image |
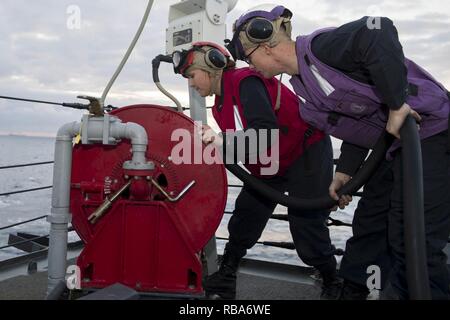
140	189
143	240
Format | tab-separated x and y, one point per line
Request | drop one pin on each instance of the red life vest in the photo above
292	128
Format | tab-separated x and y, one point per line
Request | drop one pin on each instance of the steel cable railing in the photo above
356	194
284	217
14	244
20	166
23	241
280	217
26	165
30	240
283	245
23	222
24	191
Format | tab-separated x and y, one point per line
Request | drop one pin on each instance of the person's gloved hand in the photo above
338	181
397	117
210	136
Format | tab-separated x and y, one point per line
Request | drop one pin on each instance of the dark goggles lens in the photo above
179	60
259	29
176	58
217	59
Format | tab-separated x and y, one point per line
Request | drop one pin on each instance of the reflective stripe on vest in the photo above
354	111
292	127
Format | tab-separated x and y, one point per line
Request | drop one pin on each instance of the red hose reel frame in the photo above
145	241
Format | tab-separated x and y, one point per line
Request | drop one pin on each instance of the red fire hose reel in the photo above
145	229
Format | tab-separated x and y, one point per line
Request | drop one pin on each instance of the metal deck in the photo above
257	280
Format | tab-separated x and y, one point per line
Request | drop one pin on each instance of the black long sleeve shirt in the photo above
259	115
371	56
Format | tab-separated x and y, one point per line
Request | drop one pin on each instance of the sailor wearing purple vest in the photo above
355	82
244	101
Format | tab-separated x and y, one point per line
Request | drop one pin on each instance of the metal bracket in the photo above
95	105
180	195
105	139
103	208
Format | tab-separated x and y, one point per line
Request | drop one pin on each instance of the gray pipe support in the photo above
60	217
139	141
95	130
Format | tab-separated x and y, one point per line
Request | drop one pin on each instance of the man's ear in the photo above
267	49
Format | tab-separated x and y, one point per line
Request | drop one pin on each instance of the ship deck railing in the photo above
37	245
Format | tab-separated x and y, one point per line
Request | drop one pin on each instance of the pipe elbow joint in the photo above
68	130
136	133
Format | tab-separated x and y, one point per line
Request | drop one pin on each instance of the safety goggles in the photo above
258	26
271	15
180	61
214	57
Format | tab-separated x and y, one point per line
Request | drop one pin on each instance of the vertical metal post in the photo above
60	216
211	255
191	21
197	106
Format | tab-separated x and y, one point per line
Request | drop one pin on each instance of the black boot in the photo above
331	283
353	291
331	289
389	293
222	284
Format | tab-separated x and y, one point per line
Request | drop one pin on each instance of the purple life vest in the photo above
354	111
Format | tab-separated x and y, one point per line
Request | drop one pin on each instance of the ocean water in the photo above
24	206
20	207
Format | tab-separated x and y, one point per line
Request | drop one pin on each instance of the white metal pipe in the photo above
60	214
138	136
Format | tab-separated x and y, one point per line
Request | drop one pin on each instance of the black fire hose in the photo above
324	202
155	65
413	205
155	72
413	213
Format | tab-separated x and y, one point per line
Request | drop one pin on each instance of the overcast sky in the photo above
41	58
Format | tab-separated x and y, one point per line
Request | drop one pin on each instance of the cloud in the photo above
41	58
